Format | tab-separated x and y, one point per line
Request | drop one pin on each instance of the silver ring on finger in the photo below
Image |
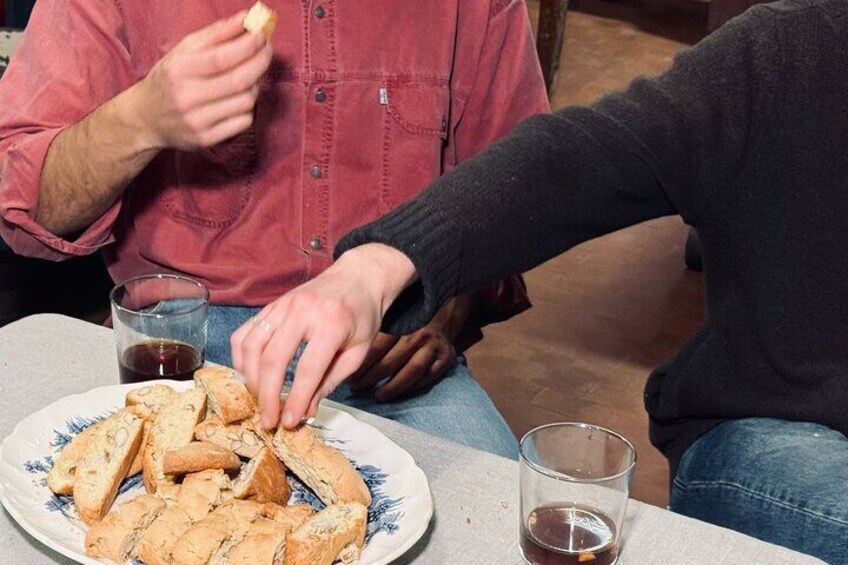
263	324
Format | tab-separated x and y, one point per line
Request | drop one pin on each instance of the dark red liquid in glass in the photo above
568	536
159	360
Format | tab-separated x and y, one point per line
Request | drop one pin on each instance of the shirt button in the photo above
316	172
319	12
316	244
320	96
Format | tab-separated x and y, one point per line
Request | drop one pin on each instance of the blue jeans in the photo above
779	481
456	407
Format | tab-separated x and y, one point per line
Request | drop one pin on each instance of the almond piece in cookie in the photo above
169	494
172	429
60	479
324	469
204	538
264	544
154	547
263	479
201	492
100	472
288	516
337	532
229	399
239	438
138	463
152	397
200	456
115	536
262	540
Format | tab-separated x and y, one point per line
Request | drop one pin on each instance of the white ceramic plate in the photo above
398	516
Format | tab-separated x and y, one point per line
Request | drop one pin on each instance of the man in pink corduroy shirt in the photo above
163	135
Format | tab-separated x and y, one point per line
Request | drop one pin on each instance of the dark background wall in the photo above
15	13
78	287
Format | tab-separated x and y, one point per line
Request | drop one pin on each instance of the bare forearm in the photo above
200	93
89	165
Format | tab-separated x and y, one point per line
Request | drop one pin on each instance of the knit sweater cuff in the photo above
432	246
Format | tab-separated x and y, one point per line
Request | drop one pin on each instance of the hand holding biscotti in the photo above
204	90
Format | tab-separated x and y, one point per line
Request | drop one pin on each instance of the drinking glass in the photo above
160	326
575	481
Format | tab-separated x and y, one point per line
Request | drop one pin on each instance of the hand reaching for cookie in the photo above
337	313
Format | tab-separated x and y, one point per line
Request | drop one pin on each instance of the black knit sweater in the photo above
746	137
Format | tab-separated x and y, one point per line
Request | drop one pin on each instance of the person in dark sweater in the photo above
746	138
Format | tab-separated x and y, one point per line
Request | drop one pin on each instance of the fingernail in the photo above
266	421
288	419
260	40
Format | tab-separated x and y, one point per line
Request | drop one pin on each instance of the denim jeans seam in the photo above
694	485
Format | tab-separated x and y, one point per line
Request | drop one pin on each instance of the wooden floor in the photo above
610	310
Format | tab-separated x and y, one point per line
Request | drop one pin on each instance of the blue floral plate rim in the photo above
398	517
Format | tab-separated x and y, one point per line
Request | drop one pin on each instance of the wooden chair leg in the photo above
549	37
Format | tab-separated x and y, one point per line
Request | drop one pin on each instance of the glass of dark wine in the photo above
575	481
160	327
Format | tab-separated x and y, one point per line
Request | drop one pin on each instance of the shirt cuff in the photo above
437	264
21	165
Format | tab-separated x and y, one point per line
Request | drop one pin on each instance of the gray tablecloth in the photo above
9	40
46	357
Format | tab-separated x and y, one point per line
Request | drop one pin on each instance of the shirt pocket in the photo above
414	136
209	188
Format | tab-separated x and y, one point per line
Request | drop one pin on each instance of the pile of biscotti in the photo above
203	504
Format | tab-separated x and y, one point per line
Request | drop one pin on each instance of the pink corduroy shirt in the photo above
365	103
